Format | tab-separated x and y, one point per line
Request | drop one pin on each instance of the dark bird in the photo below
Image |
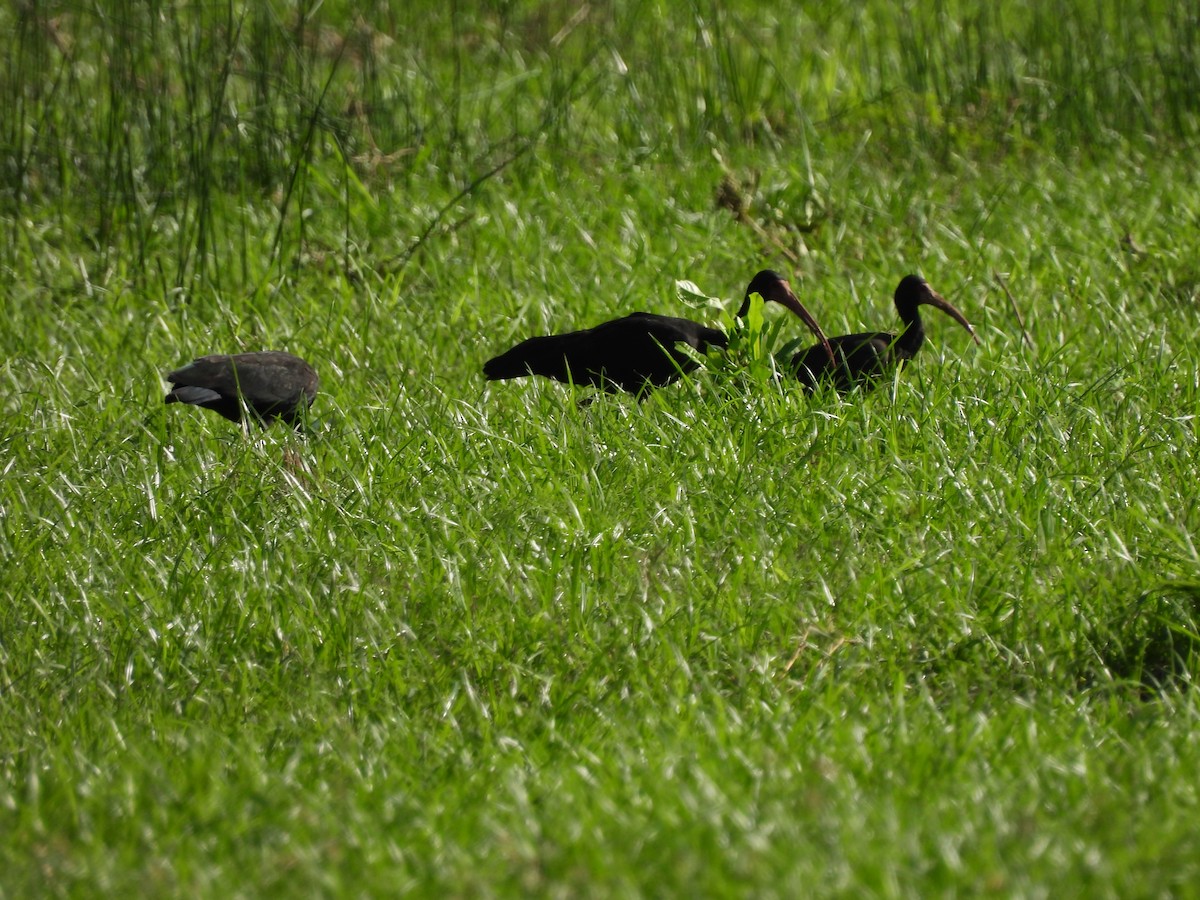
270	385
861	359
864	358
635	353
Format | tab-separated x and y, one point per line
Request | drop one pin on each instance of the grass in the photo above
472	639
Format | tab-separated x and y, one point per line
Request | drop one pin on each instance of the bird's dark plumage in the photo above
635	353
861	359
271	385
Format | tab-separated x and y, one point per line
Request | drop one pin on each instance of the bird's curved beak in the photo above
934	299
787	297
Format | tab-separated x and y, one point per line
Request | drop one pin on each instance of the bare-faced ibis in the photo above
270	385
861	359
636	353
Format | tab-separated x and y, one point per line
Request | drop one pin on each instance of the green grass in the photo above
470	639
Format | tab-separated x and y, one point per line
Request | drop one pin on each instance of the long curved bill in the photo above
933	298
788	298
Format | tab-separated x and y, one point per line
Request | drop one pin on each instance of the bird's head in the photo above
914	291
772	286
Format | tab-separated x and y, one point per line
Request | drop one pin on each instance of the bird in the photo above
861	359
268	385
635	353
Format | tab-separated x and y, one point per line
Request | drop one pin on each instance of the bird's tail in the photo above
507	365
527	357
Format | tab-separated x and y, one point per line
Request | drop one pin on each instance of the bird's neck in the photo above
912	336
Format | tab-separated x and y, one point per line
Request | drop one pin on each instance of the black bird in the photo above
863	358
270	385
635	353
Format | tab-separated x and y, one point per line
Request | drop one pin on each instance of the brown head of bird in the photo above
914	291
772	286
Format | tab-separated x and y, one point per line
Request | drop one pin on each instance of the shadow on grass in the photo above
1155	640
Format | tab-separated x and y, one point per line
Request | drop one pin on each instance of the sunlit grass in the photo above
484	638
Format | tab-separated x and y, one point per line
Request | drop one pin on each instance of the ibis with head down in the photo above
264	386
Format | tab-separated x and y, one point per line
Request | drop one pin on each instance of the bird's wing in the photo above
267	381
192	394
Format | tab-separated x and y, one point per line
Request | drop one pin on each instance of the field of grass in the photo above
471	639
